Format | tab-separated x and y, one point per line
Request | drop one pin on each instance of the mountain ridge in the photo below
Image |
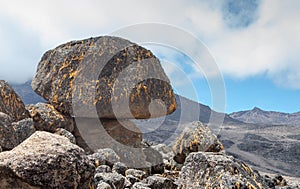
259	116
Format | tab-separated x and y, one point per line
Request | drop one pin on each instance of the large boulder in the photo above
13	133
120	78
194	138
47	118
10	102
217	170
45	160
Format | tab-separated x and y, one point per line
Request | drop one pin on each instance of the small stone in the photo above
12	134
103	169
136	173
157	181
11	104
164	150
47	118
140	185
110	156
120	168
103	185
155	160
132	179
115	180
97	159
65	133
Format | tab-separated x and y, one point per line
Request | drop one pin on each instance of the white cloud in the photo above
267	47
270	45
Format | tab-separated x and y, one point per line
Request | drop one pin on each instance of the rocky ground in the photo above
47	145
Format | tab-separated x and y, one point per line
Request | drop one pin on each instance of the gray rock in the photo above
132	179
103	169
65	133
115	180
136	173
23	129
164	150
156	181
12	134
217	170
10	103
47	118
194	139
109	155
97	159
120	168
46	160
140	185
66	75
103	185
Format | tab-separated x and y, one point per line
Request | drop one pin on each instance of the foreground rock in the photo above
47	118
10	103
45	160
194	139
111	73
13	133
217	170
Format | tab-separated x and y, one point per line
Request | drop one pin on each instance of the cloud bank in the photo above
247	38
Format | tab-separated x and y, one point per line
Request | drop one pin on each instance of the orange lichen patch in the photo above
65	64
92	44
65	76
250	186
118	60
132	98
148	54
237	185
73	74
172	107
79	58
54	99
246	168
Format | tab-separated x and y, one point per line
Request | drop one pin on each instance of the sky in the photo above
255	44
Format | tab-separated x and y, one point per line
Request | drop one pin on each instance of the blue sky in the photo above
255	44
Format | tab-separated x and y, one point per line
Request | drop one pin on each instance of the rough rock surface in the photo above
115	180
65	133
124	138
10	103
124	132
156	181
217	170
195	139
46	160
107	72
47	118
136	173
104	156
120	168
12	134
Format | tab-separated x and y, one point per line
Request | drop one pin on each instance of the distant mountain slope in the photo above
167	129
194	109
26	93
258	116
